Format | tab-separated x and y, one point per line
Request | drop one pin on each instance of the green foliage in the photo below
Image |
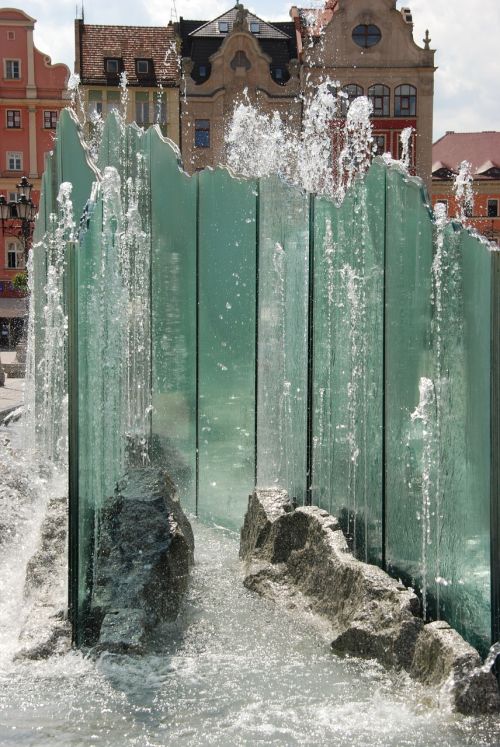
20	282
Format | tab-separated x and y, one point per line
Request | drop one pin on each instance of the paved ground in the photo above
12	393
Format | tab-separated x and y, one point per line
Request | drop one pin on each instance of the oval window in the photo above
365	35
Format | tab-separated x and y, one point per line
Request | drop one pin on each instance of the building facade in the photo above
148	56
235	57
32	93
367	47
482	151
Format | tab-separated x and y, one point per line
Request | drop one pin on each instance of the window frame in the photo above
143	61
52	119
224	30
385	96
142	101
107	61
18	255
346	102
16	120
254	30
202	133
8	61
377	136
410	95
490	201
14	155
366	39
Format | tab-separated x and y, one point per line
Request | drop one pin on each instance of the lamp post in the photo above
20	211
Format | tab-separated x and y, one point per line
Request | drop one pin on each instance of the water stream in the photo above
233	670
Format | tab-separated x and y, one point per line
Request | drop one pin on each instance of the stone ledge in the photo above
303	553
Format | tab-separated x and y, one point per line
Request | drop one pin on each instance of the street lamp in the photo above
23	210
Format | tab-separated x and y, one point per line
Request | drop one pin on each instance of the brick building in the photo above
32	93
149	58
368	47
232	57
482	151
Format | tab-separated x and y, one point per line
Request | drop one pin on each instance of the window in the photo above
379	145
380	97
142	108
160	108
15	255
366	35
240	60
142	67
50	119
112	65
492	208
14	161
202	133
202	71
11	35
254	27
223	27
12	69
13	118
113	101
13	196
95	102
443	202
278	73
405	101
352	92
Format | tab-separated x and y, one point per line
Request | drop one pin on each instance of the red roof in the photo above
481	149
128	43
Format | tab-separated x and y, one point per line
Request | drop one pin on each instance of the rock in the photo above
145	549
46	630
370	613
301	559
123	632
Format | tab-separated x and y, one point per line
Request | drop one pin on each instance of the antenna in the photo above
173	13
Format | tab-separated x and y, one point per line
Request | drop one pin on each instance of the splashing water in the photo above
405	139
464	192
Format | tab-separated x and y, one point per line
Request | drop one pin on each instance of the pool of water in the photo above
233	670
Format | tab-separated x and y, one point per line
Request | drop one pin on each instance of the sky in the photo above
467	84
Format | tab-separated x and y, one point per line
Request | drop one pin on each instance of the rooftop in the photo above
480	149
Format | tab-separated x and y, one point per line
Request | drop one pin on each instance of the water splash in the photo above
463	187
405	139
425	415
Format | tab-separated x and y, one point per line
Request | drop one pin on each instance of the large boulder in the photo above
300	557
144	552
370	614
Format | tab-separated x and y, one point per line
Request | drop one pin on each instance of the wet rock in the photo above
300	558
123	632
443	659
145	550
370	613
46	630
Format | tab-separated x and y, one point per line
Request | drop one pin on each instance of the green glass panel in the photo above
408	362
282	338
173	277
461	336
348	361
227	287
72	163
112	143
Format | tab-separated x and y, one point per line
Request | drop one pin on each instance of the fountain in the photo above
245	332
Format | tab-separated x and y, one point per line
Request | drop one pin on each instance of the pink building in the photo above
32	93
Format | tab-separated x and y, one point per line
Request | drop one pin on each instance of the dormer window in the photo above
112	65
202	71
278	73
223	27
254	27
142	67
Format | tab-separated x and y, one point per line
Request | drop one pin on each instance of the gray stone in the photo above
443	659
46	630
370	613
123	631
145	549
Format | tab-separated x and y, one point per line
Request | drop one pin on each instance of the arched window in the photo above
405	101
380	97
240	60
352	91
